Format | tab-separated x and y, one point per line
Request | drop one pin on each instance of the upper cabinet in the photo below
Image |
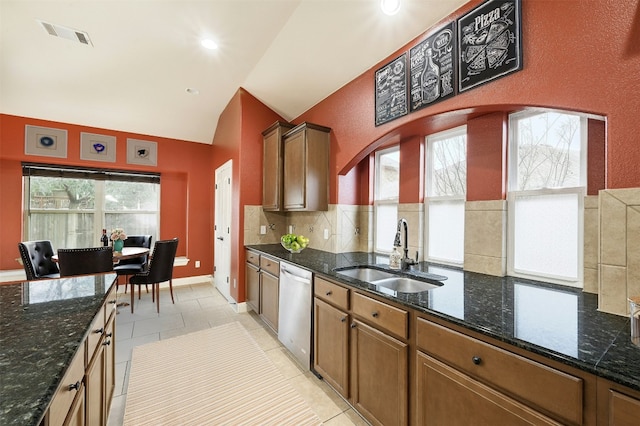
296	168
272	168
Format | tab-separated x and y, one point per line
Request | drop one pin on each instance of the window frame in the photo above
513	193
387	201
99	211
429	199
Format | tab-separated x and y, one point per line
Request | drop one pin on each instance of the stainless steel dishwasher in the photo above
294	312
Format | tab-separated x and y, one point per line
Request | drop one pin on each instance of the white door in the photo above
222	231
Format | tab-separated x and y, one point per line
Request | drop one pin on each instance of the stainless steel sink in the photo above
404	285
366	274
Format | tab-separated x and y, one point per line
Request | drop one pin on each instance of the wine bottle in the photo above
104	239
430	79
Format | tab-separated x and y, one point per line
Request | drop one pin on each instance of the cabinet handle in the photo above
75	386
108	335
99	331
374	314
476	360
343	319
328	293
113	302
353	325
107	343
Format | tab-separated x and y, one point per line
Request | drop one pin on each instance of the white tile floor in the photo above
198	307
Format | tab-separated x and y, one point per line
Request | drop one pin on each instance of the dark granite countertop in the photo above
42	324
557	322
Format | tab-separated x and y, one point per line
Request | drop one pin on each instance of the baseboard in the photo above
10	275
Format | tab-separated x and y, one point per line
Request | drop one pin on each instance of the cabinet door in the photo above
252	280
76	413
110	362
269	300
331	348
295	171
379	377
445	396
95	388
272	171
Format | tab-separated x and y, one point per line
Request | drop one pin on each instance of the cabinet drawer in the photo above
380	314
538	385
332	293
252	257
270	265
96	331
65	395
110	304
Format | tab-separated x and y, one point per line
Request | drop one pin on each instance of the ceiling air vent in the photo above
68	33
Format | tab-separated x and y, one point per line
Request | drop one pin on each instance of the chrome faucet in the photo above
406	261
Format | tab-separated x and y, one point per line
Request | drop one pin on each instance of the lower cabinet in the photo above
379	374
269	300
617	405
84	396
252	278
445	396
331	349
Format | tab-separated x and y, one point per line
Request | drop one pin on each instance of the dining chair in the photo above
81	261
127	267
160	270
37	261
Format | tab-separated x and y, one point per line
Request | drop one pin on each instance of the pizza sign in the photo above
489	43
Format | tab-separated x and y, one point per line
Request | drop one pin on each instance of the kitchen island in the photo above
556	322
43	327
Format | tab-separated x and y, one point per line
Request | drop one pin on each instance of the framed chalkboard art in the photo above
391	90
489	42
432	69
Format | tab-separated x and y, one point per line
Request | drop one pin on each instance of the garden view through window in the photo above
71	206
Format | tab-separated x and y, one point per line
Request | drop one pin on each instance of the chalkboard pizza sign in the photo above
391	90
489	42
433	68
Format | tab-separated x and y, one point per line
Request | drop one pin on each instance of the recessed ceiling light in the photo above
207	43
390	7
192	91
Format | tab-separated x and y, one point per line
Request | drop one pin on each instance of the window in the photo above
387	192
547	179
446	194
71	206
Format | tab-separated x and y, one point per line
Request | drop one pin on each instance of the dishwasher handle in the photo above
295	277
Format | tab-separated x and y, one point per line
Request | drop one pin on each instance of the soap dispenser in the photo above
395	258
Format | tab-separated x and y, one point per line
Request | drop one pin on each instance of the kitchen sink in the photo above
366	274
404	285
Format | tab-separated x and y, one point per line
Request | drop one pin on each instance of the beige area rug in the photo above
218	376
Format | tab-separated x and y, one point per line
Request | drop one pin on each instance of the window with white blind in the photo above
71	205
446	189
547	181
386	198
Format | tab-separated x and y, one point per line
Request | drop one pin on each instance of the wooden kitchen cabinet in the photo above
331	335
379	375
460	377
252	280
272	166
269	291
306	168
617	405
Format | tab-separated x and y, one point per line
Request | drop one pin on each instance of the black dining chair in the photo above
127	267
81	261
37	260
160	270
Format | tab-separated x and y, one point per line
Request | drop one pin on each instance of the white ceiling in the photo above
290	54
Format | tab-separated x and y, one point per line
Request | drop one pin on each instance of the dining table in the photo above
126	253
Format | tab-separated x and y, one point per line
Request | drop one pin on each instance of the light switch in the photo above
326	234
263	229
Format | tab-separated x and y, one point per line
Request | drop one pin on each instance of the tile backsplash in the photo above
611	238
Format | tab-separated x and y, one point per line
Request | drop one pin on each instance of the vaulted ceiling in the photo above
144	55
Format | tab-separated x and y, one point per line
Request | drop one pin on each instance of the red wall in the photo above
186	180
578	55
